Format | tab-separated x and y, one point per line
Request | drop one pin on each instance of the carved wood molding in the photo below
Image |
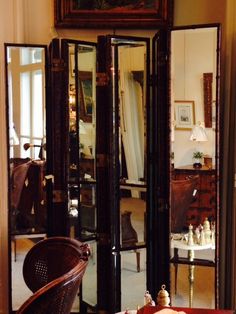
207	93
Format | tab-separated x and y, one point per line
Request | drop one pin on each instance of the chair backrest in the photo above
181	198
19	174
57	296
129	235
27	192
52	258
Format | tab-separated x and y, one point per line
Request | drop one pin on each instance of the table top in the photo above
182	245
204	168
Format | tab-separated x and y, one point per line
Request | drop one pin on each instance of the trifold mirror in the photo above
104	129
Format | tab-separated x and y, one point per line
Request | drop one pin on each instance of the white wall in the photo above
193	53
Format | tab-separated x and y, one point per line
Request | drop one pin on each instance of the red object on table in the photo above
154	309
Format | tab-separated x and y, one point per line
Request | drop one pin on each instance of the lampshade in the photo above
198	134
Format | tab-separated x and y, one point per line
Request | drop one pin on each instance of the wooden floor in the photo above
203	291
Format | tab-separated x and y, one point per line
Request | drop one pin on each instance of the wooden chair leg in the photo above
138	260
176	276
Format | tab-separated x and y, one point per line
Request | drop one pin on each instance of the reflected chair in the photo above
129	235
182	195
53	269
28	199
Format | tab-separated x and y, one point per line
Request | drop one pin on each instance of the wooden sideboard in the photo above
204	202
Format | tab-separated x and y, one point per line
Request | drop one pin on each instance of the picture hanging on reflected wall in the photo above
112	13
184	114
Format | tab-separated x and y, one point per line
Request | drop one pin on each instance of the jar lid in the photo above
163	293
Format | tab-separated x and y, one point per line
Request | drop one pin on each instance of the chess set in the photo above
202	235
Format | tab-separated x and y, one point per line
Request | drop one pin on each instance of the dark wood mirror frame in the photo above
134	15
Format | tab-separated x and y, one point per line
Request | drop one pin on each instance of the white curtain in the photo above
132	130
131	117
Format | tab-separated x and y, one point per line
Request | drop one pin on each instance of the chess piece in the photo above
213	233
163	297
197	235
202	237
190	235
207	230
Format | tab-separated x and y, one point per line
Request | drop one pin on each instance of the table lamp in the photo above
198	134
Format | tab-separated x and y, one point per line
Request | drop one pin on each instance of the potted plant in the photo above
197	157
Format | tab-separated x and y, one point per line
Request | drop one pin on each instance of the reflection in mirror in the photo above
131	63
194	181
82	170
25	68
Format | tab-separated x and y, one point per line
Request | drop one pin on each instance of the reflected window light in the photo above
31	56
37	123
25	103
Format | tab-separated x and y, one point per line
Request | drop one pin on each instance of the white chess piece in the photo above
207	230
190	235
202	237
197	234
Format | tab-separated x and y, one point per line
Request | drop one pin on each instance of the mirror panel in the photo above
81	166
194	112
130	63
25	69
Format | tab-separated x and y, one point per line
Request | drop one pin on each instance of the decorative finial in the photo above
163	297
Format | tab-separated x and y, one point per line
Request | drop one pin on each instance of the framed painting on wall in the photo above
113	13
184	114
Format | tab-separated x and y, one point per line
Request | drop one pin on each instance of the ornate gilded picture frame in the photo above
112	13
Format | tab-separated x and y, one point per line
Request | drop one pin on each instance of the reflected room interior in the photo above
27	154
193	150
193	90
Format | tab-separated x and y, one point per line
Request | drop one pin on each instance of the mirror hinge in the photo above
152	79
59	196
101	160
103	239
102	79
58	64
162	205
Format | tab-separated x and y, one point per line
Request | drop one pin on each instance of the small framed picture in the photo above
184	114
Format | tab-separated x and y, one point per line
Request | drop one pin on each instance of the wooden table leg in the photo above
191	277
176	257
